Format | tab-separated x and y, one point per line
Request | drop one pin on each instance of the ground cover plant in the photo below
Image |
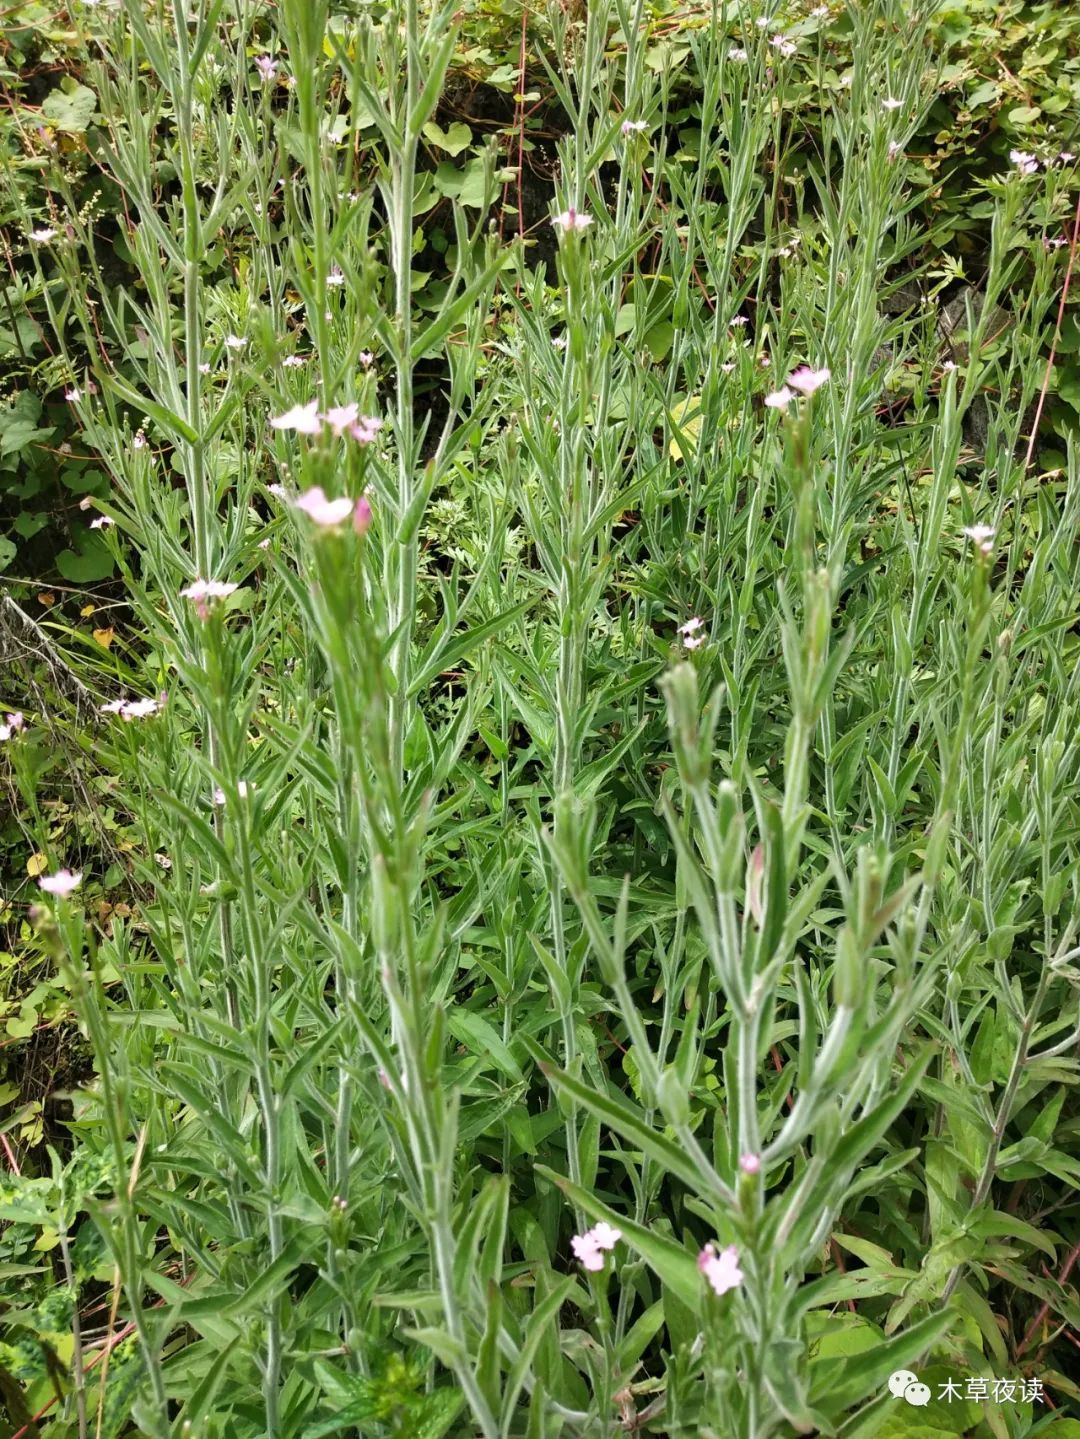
590	755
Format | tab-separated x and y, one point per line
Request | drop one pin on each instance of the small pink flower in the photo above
304	419
61	884
633	127
202	590
362	516
894	149
982	537
335	277
750	1163
727	367
234	342
737	53
14	724
340	417
293	362
1025	163
365	429
323	511
721	1270
779	399
73	395
572	219
266	66
366	358
102	522
589	1248
806	380
139	441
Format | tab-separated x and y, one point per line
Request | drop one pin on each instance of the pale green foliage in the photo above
481	817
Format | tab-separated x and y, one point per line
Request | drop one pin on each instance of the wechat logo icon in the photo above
905	1385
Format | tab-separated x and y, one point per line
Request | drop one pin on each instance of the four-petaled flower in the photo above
266	66
689	632
1025	163
324	512
61	884
340	417
202	590
14	723
234	342
304	419
780	399
365	429
806	380
572	219
721	1270
589	1248
981	536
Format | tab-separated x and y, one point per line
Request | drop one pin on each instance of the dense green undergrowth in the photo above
559	829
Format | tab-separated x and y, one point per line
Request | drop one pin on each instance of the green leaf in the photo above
839	1384
453	141
89	563
71	108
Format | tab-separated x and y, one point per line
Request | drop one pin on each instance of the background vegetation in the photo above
447	895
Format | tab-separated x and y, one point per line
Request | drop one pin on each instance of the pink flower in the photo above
589	1248
322	511
15	723
779	399
61	884
633	127
1025	163
571	219
366	358
266	66
293	362
335	277
737	53
234	342
721	1270
304	419
202	590
365	429
102	522
806	380
341	417
981	536
362	515
750	1163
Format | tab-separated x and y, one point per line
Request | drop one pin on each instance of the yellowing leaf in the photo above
37	864
687	415
104	637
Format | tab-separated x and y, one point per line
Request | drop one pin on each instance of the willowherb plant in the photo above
549	939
